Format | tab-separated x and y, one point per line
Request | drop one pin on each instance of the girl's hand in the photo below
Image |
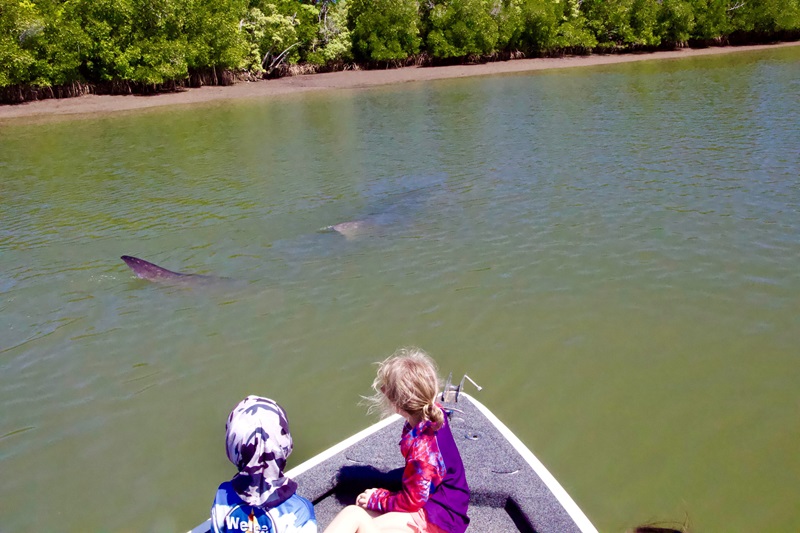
363	498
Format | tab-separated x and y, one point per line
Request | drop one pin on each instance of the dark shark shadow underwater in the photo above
393	212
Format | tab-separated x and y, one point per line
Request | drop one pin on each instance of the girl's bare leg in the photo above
395	523
352	519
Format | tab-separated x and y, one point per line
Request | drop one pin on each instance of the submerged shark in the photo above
397	214
152	272
396	210
353	228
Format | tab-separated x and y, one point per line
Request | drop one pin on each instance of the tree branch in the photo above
277	61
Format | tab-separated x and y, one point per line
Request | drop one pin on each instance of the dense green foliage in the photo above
149	43
384	30
458	28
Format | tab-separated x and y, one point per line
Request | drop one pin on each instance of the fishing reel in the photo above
451	391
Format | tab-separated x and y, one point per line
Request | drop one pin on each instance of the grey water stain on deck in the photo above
619	276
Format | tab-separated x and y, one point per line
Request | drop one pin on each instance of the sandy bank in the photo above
93	104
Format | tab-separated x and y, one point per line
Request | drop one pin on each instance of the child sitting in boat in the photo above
260	498
434	495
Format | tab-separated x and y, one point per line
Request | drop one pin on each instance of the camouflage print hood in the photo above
258	443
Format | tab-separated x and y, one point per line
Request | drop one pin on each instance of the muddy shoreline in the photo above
90	105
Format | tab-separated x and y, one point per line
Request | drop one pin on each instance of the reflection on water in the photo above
611	252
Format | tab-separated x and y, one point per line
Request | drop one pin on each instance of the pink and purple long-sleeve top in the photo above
433	478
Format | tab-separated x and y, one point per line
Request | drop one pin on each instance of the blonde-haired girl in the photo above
434	496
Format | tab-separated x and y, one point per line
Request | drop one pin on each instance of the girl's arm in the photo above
418	478
424	470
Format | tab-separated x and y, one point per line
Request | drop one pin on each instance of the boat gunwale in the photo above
563	497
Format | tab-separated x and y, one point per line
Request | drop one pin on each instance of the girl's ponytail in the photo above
432	412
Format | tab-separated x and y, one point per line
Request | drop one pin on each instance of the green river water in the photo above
613	253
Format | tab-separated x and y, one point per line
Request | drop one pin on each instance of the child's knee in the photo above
351	519
354	509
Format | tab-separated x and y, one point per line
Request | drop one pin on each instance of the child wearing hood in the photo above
260	499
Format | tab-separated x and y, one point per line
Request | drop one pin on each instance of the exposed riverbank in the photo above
352	79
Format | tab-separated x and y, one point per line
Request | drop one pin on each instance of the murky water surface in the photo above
611	252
